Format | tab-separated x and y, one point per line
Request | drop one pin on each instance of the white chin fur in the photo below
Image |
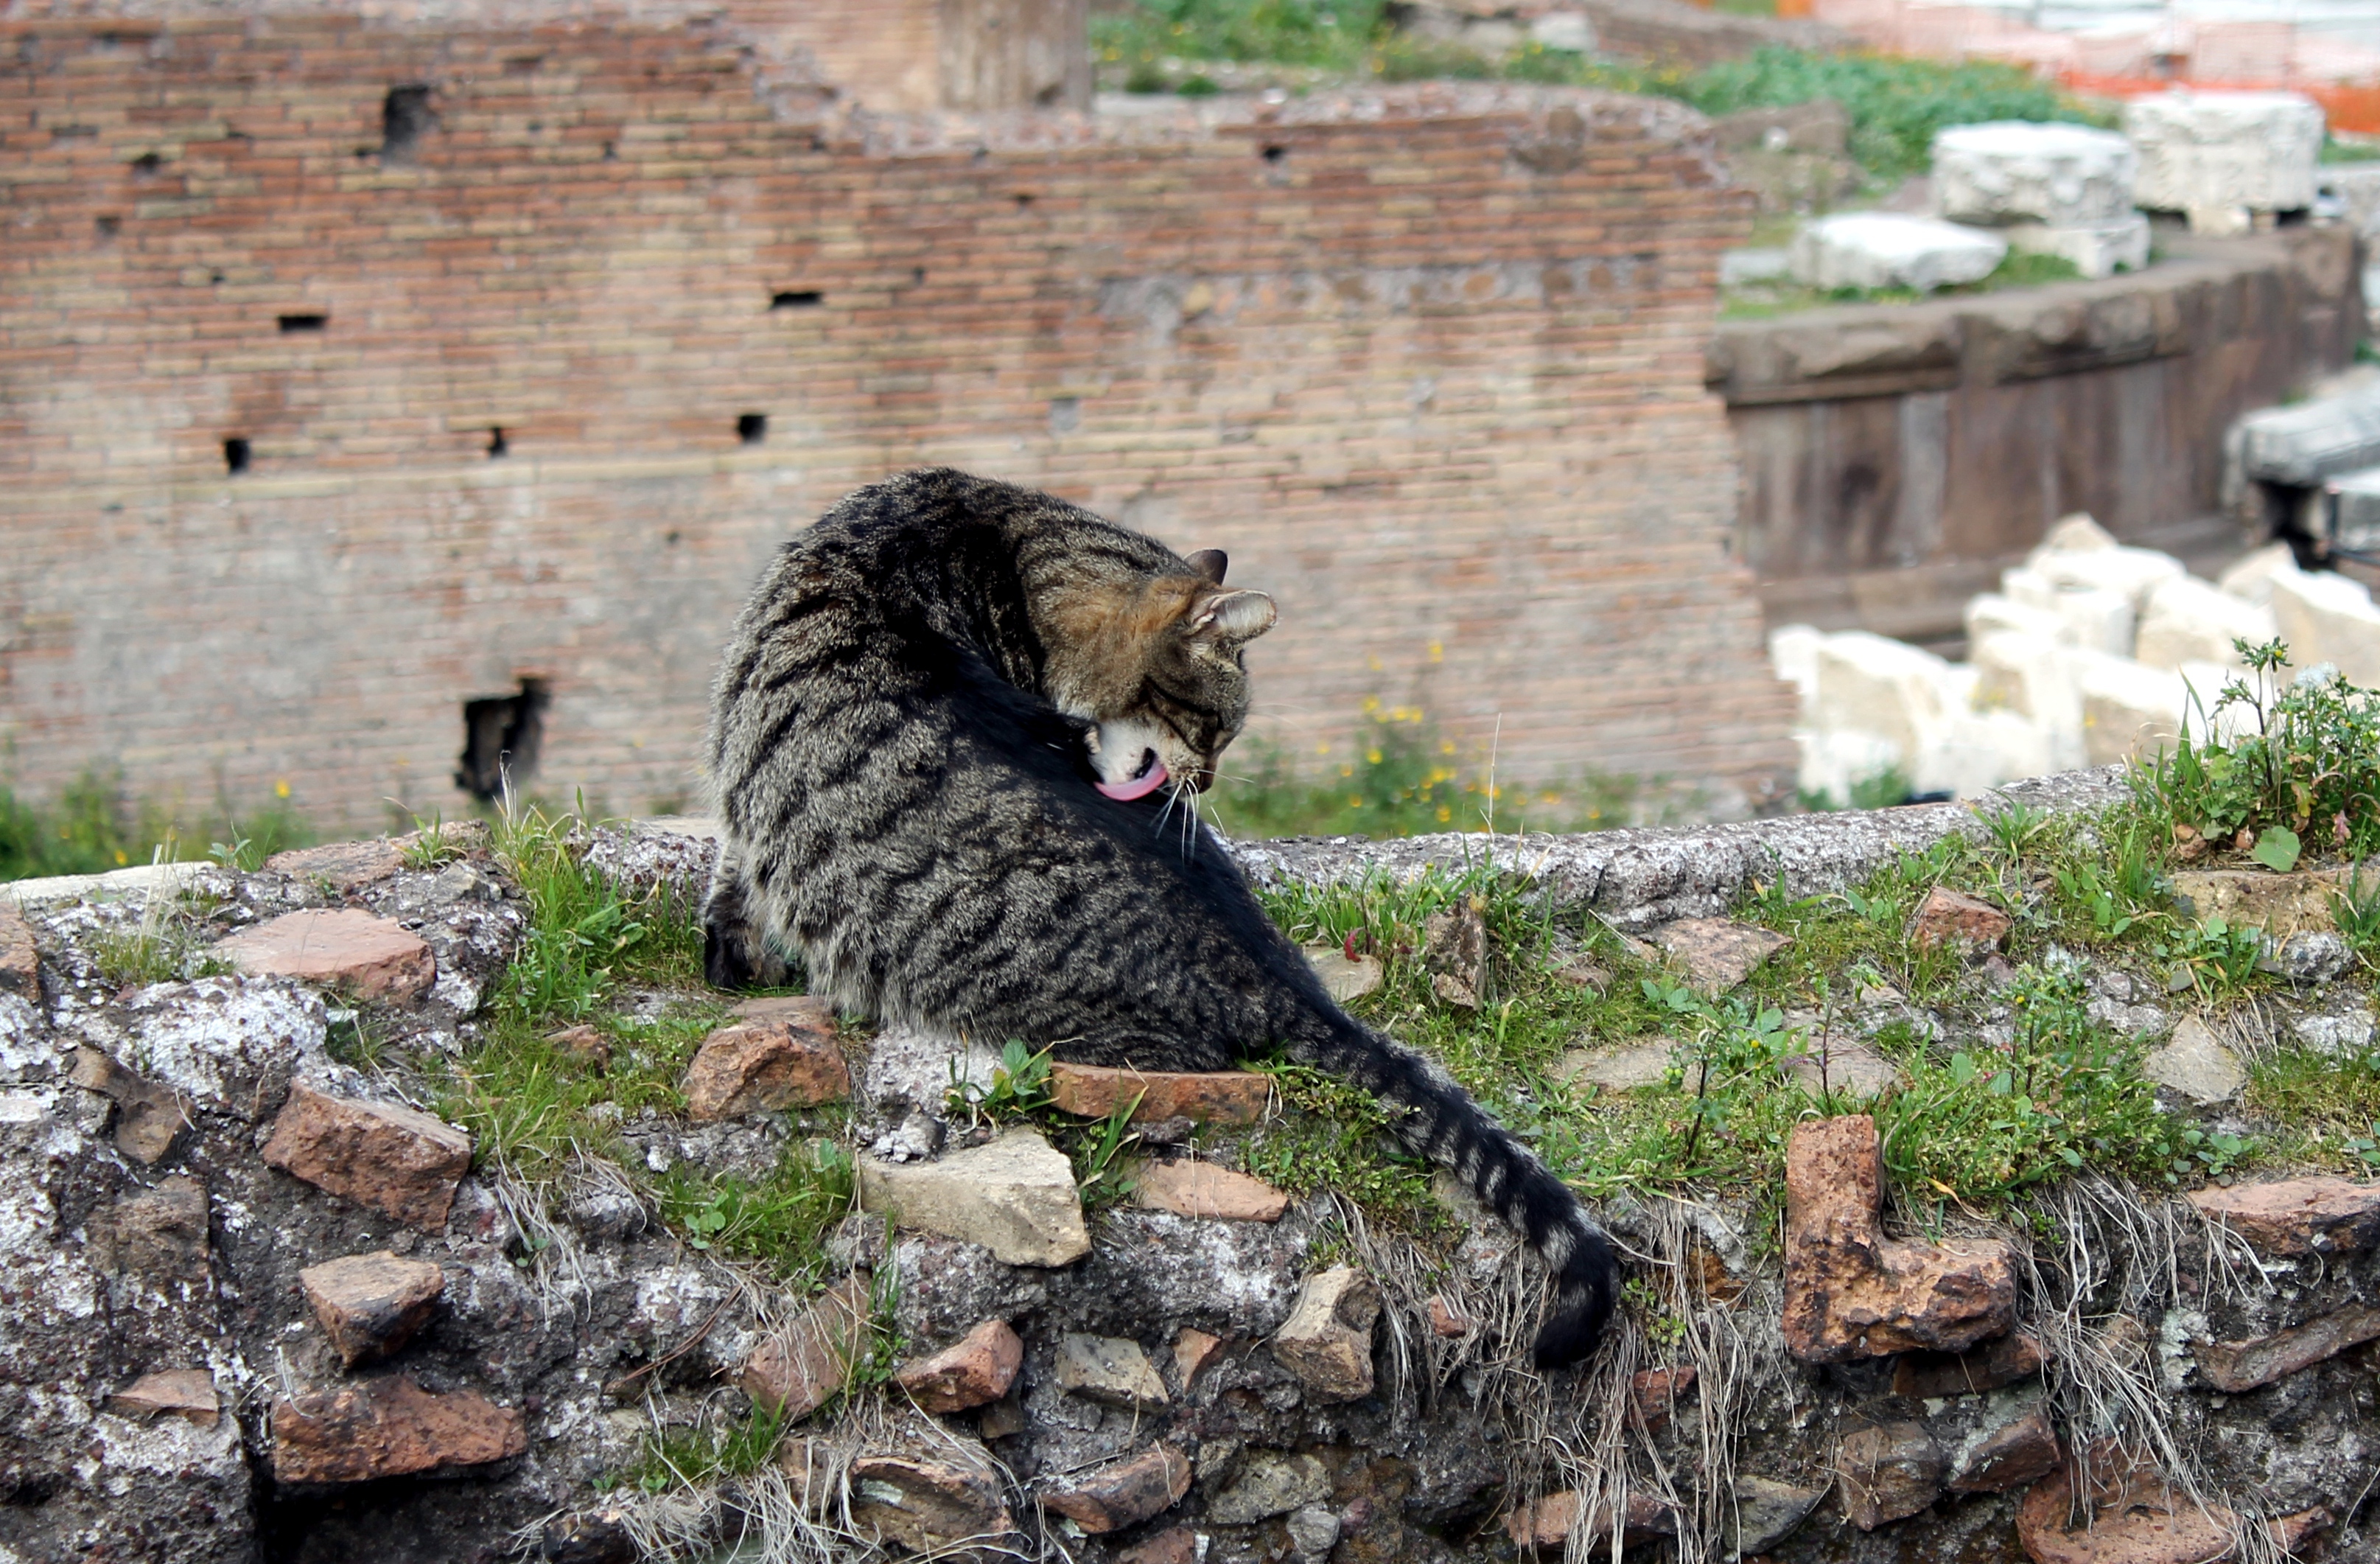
1119	748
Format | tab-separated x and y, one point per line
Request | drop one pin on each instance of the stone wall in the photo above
263	1307
1897	457
528	370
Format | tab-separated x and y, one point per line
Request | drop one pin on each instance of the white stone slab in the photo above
1740	268
1833	763
2097	251
2131	573
2355	510
2218	157
1793	652
2188	620
2302	446
2093	617
2015	171
2327	619
1889	249
2128	710
2253	577
2036	680
1975	752
1870	684
1991	612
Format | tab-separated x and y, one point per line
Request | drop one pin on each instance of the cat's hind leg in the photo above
736	953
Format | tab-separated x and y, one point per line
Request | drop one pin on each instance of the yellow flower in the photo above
120	856
1437	651
1445	813
281	788
1372	757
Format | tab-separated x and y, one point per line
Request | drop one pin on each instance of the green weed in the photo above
584	934
2306	781
734	1447
1337	1138
2331	1106
93	827
2355	909
1101	1172
782	1221
1020	1085
2063	1093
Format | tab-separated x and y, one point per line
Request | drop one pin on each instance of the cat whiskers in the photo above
1182	794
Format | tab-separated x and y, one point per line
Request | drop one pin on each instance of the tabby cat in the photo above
949	746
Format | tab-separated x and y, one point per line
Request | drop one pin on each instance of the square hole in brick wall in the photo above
292	324
751	428
497	445
235	455
405	118
502	734
797	299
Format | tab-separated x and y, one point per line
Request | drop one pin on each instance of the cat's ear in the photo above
1231	617
1211	563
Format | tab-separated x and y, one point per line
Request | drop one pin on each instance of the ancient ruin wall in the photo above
1428	363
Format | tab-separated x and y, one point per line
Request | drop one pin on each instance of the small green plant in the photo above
2276	849
1661	1326
2092	891
2213	957
2355	911
2302	774
2213	1151
1993	1120
431	845
1101	1171
781	1221
1732	1044
2015	827
1020	1085
711	1449
2365	1148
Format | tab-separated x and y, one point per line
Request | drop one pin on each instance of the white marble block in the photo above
1887	249
2301	446
2188	620
2327	619
2097	251
2221	156
2355	510
2013	171
1868	684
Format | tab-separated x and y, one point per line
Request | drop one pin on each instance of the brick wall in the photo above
1428	363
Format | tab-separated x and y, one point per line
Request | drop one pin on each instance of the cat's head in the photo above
1154	663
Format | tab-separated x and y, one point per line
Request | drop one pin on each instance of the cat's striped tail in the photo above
1442	1122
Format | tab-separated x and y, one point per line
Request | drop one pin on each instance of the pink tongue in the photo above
1139	787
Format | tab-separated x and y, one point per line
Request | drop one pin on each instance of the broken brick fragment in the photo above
388	1428
369	1305
1122	1493
1849	1291
2002	1361
972	1371
2320	1216
366	955
397	1161
1230	1096
760	1067
1949	917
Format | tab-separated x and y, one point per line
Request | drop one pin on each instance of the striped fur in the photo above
908	723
